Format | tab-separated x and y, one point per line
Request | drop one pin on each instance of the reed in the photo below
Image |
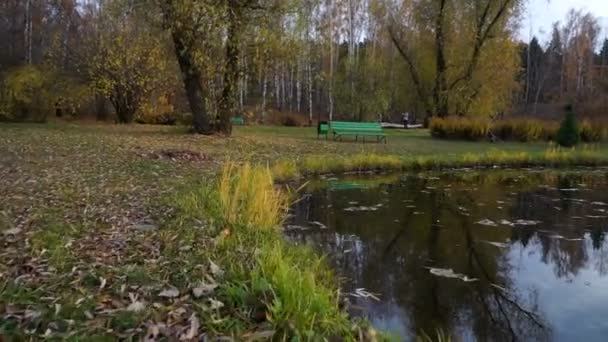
248	197
460	128
284	170
523	130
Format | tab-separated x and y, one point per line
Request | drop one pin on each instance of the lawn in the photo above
400	142
104	229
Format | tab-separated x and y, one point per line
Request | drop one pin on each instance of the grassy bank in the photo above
133	231
271	288
555	157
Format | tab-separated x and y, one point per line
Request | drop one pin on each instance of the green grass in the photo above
74	195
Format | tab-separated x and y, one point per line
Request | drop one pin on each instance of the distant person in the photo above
406	119
58	109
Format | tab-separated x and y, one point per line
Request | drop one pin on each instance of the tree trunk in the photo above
309	83
298	87
101	113
192	84
228	105
28	32
440	89
331	63
264	92
123	102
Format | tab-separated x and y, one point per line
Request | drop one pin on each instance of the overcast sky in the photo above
541	14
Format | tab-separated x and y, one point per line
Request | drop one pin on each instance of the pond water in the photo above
492	255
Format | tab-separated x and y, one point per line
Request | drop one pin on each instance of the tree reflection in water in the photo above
431	221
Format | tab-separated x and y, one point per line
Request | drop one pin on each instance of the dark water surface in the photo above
488	256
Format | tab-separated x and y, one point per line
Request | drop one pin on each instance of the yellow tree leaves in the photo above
129	64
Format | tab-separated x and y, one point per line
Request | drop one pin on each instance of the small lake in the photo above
480	255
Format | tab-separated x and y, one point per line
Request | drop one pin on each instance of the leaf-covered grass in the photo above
127	231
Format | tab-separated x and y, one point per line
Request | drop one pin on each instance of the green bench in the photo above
237	121
357	129
322	129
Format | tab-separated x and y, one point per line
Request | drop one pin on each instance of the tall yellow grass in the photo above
248	197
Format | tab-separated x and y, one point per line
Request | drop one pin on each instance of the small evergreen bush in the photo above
568	134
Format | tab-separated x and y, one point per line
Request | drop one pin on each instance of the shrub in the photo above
25	95
568	134
284	170
460	128
593	131
288	119
169	118
158	111
524	130
291	121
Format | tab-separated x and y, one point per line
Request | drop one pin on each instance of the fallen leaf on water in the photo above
526	222
321	225
486	222
496	244
362	293
449	273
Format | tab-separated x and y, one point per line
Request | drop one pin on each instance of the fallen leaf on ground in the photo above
258	335
203	289
215	269
171	292
192	331
136	306
215	304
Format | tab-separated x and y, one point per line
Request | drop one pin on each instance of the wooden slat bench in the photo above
357	129
322	129
237	121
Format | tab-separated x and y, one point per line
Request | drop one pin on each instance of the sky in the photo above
541	14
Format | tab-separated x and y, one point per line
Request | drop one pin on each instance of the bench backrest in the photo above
356	126
237	121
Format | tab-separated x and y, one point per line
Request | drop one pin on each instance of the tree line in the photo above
304	60
569	69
